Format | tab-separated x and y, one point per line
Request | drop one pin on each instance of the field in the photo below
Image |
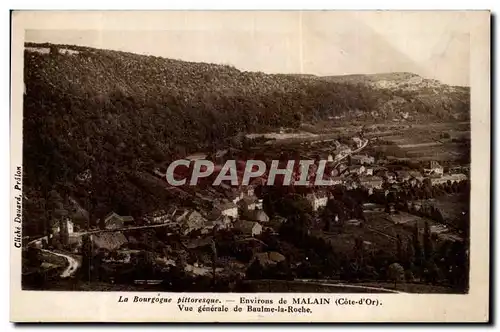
451	206
378	233
444	142
344	241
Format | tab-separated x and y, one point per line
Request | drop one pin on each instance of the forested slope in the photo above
117	114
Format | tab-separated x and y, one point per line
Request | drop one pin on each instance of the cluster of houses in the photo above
363	174
239	209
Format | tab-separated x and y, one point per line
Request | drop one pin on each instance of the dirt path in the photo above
72	267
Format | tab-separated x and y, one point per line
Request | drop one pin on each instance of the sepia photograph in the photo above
255	152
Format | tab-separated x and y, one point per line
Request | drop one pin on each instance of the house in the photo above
353	222
266	259
192	221
336	180
248	203
249	228
225	208
351	184
371	182
157	217
342	168
228	209
223	222
448	177
417	206
232	194
179	214
274	224
358	141
335	172
403	176
259	205
65	225
415	178
356	169
417	175
251	203
433	167
108	240
256	215
372	207
249	191
368	170
390	177
363	159
115	221
317	200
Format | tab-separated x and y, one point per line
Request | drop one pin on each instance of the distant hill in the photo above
113	114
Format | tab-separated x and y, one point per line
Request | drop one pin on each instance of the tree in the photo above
255	270
399	250
33	256
428	250
396	273
409	277
54	208
214	253
359	250
297	117
54	50
87	255
417	249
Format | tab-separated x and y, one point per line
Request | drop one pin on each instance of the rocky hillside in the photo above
110	115
399	81
423	98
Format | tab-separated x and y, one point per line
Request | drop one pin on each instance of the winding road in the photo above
365	143
73	264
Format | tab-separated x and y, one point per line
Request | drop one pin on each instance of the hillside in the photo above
115	114
400	81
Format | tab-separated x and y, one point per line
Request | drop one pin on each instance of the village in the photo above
227	228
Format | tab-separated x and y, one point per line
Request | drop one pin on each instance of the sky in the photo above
431	44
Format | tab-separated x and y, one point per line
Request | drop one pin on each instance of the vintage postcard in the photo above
250	166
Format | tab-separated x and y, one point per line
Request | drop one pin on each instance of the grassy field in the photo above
283	286
451	206
441	142
378	233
